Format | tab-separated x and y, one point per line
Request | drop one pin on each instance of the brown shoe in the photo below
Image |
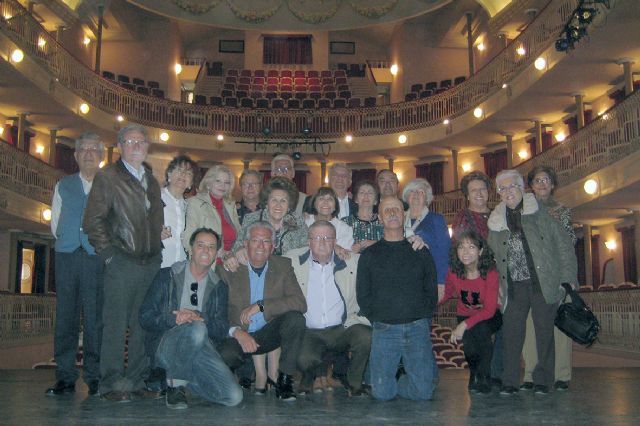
116	396
144	393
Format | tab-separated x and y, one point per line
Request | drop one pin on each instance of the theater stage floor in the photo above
598	396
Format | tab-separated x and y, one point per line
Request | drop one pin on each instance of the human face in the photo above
250	187
277	205
220	184
388	184
325	206
259	246
204	250
510	191
542	186
417	198
181	178
391	213
366	196
478	196
340	181
134	148
468	254
283	168
88	156
322	241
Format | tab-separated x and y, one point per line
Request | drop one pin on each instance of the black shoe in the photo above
527	386
353	392
508	390
245	382
561	385
496	382
541	389
93	386
176	398
284	388
61	388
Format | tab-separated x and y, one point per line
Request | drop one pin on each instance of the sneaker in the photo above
541	389
527	386
561	385
176	398
508	390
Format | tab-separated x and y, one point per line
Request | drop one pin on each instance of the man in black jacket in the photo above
185	314
397	291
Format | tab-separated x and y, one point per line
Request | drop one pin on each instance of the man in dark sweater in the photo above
397	291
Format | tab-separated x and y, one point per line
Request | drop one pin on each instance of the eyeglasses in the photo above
133	142
324	238
194	295
90	149
184	172
542	180
510	187
259	241
282	170
250	184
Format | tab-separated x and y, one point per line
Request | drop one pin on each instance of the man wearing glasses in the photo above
332	318
78	273
534	256
282	165
123	219
250	185
265	308
185	315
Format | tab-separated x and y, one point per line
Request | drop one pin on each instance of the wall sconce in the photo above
540	64
39	149
591	186
119	119
402	139
611	245
348	138
394	69
466	167
164	136
84	108
478	112
45	215
17	56
102	164
481	46
177	68
86	40
523	154
560	137
521	51
450	229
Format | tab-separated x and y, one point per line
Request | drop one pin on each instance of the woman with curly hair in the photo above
473	279
324	205
475	187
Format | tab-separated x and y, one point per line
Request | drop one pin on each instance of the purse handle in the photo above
575	297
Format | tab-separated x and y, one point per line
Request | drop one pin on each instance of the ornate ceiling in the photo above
291	15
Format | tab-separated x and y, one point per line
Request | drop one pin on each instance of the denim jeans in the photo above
412	343
186	353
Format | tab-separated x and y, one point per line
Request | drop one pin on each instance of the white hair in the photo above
418	183
280	157
509	173
335	166
89	136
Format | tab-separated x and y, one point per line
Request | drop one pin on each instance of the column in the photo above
588	267
636	217
470	42
390	161
110	154
245	164
579	97
59	33
454	162
538	125
99	37
509	138
323	171
22	125
53	134
627	73
30	7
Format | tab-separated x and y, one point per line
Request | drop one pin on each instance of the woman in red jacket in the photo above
473	279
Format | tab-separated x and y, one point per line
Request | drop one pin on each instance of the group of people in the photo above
209	295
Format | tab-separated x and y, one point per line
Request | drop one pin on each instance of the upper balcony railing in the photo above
22	173
17	24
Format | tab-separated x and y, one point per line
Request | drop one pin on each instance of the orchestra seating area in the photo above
290	89
150	88
420	91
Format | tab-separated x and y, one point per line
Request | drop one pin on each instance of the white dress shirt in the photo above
56	205
344	233
174	217
344	207
325	307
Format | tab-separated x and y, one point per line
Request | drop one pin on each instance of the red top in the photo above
467	220
229	233
470	293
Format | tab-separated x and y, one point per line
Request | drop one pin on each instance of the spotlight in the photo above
575	33
296	155
306	131
585	14
562	45
266	132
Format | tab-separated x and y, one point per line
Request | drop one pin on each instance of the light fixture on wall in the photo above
481	47
119	119
45	215
611	245
42	42
591	186
86	40
560	136
450	229
102	164
177	68
220	137
478	112
521	51
402	139
466	167
399	175
164	136
394	69
39	149
523	154
84	108
348	138
540	64
17	56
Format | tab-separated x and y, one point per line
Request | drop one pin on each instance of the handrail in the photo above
25	31
23	173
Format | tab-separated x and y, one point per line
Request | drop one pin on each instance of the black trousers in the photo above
478	346
525	296
285	331
355	339
78	291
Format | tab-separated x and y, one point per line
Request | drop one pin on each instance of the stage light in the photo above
306	131
266	132
296	155
585	14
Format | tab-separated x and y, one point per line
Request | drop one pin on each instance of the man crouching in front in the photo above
185	314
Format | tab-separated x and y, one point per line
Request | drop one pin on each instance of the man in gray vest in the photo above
78	274
123	219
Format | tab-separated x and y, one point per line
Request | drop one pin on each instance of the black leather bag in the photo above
576	320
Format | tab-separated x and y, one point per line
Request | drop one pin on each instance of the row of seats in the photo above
353	70
418	91
608	287
286	94
286	73
293	81
291	103
151	88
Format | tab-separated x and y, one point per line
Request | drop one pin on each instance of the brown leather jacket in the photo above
116	218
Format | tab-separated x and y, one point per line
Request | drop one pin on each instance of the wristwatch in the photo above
260	304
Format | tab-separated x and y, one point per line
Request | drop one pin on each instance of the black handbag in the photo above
576	320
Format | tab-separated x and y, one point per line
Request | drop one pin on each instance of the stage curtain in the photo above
494	162
629	254
433	173
287	50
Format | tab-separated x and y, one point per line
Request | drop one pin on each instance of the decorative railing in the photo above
17	24
22	173
618	312
25	317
